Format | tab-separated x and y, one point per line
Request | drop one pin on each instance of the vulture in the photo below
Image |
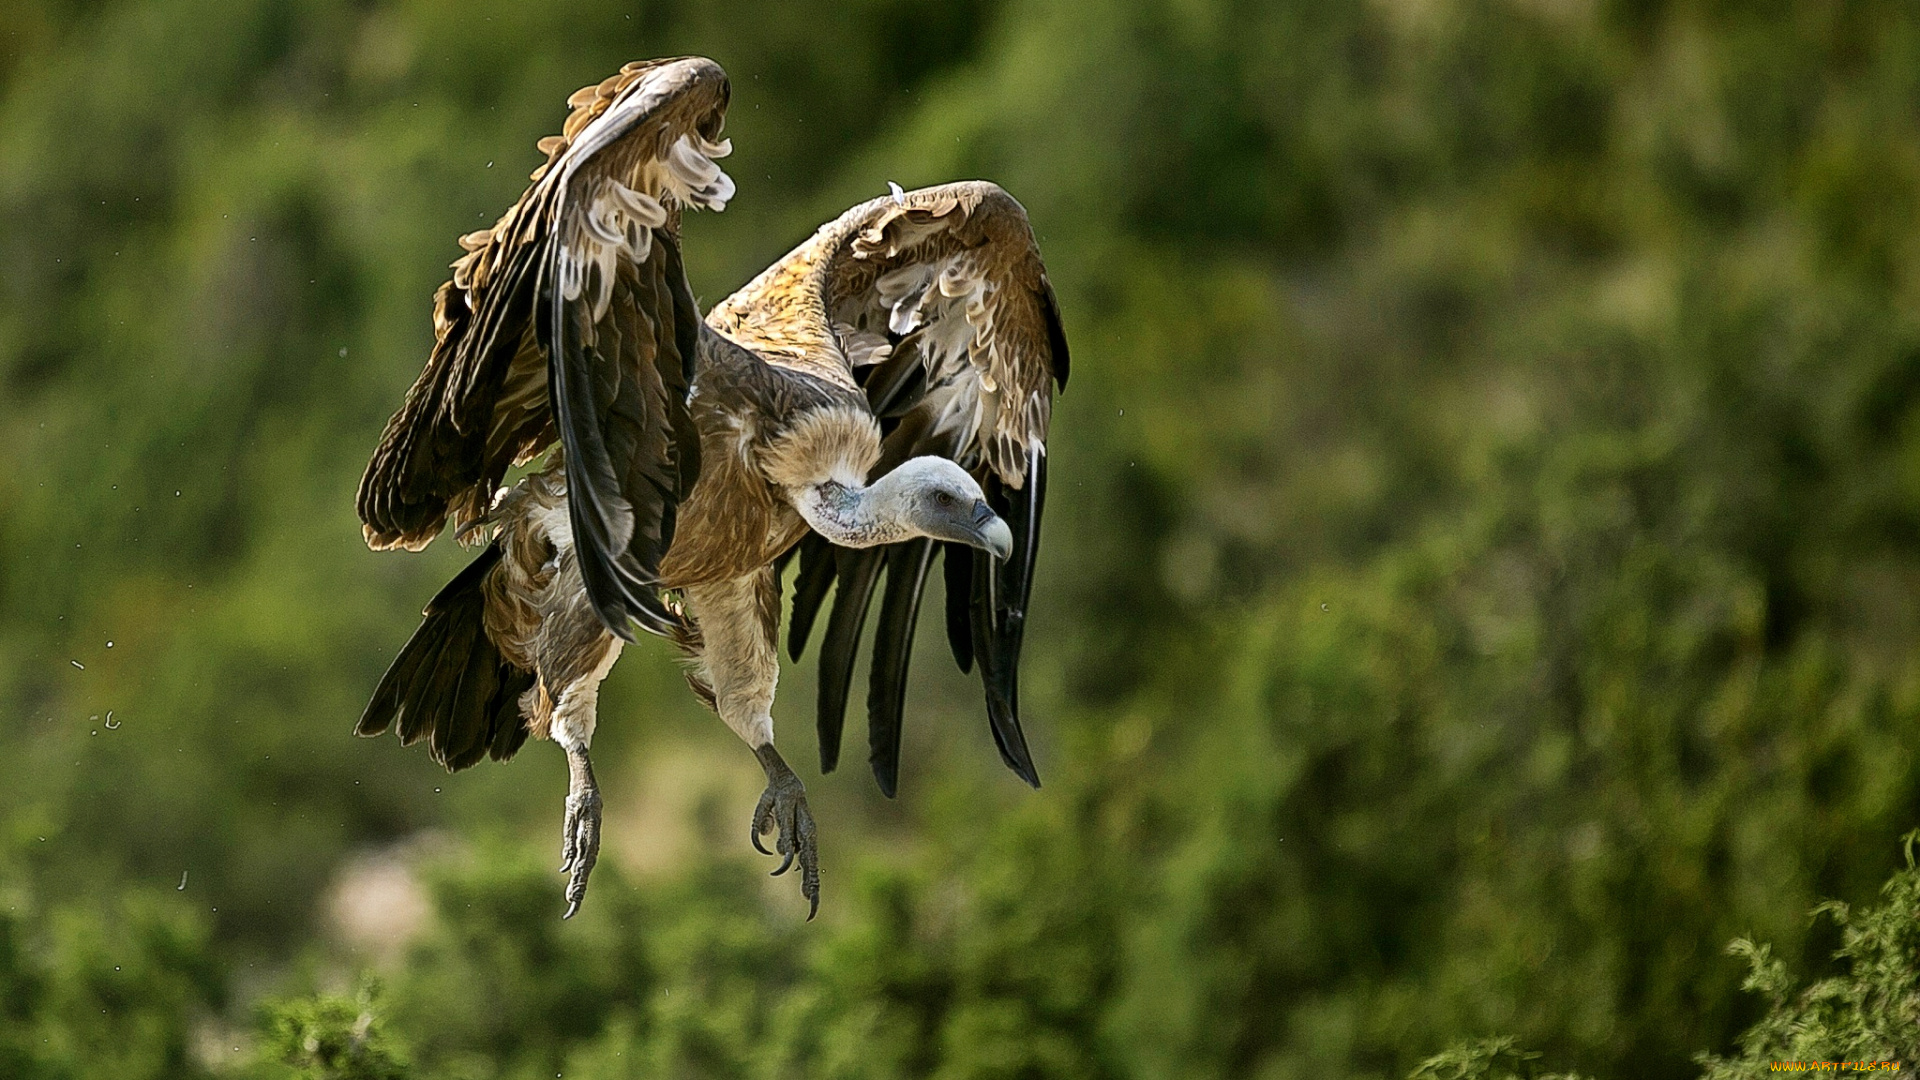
875	399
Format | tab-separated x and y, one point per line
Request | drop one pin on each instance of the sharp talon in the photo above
762	821
573	908
813	906
784	865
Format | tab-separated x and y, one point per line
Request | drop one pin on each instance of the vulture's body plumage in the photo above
877	398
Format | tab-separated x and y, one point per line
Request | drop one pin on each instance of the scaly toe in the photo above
569	848
582	848
763	821
809	861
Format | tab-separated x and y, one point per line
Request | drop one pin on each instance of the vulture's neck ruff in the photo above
927	496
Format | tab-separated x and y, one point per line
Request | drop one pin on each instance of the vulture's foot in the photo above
580	833
783	806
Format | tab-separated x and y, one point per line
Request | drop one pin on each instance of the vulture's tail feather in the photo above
450	683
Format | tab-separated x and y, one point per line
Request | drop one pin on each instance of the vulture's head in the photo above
932	496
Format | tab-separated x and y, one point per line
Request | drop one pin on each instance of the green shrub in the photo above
1868	1011
330	1038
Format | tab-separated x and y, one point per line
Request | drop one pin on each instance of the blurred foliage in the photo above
1485	1059
1482	579
1866	1012
330	1038
119	986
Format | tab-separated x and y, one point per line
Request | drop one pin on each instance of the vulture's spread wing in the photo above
571	319
936	303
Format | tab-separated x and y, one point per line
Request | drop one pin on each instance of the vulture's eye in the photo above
943	498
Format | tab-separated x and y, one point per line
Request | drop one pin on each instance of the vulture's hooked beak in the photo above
990	532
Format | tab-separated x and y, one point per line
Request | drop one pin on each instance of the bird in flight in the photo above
878	397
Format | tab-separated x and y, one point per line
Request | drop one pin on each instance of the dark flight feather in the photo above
958	568
999	612
817	570
907	567
857	571
1060	364
615	388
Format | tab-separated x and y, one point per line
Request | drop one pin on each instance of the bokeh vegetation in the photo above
1482	577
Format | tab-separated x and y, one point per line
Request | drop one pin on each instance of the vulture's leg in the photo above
739	624
580	831
574	652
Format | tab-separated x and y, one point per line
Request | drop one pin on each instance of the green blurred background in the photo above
1482	577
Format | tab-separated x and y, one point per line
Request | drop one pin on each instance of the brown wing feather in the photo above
576	293
845	301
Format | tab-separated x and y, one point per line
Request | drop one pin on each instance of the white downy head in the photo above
923	497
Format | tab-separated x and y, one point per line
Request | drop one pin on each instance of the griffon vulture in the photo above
878	396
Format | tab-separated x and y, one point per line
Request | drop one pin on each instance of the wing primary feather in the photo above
857	571
687	327
1060	363
999	615
1026	527
436	454
570	393
958	566
1001	678
907	567
817	567
676	363
507	306
597	507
